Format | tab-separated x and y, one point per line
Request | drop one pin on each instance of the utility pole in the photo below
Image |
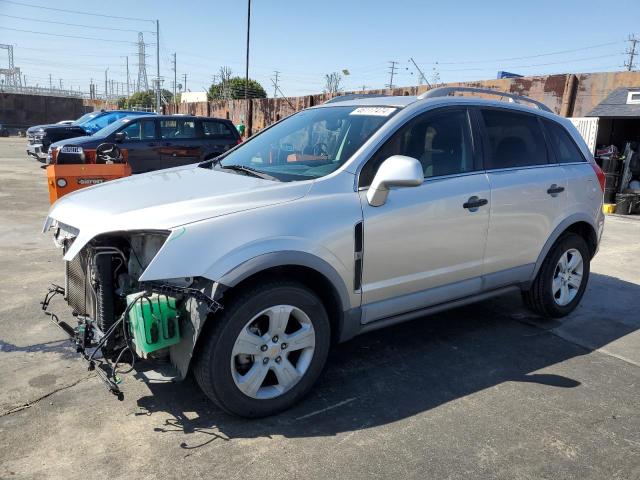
128	80
158	100
50	83
60	83
392	71
106	84
422	75
246	71
184	83
275	84
631	51
175	77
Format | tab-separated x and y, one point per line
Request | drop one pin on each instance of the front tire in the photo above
266	350
562	278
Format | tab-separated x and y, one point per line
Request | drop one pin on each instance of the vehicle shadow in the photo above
398	372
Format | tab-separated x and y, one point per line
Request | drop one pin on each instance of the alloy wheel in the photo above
272	352
567	277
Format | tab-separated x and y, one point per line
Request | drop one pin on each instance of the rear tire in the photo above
562	278
249	323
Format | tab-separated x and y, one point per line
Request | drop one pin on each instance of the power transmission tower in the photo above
275	83
143	82
11	75
392	71
631	51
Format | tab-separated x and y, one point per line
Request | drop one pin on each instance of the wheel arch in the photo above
579	224
310	270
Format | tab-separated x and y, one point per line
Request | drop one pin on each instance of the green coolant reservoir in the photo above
153	321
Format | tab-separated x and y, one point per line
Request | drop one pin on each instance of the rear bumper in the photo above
37	151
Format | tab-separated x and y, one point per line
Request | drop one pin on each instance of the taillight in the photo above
239	141
599	174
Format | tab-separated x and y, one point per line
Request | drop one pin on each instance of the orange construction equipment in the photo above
68	177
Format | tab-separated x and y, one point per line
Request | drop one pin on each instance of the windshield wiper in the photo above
249	171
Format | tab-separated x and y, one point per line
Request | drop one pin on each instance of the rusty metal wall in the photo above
565	94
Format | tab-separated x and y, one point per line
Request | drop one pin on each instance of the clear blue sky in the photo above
305	40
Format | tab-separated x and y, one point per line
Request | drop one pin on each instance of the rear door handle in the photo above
554	190
474	203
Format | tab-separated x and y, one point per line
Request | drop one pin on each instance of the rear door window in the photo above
562	145
177	129
214	129
514	139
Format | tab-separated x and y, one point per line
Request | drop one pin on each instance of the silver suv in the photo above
340	219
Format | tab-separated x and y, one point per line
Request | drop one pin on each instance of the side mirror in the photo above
395	171
120	137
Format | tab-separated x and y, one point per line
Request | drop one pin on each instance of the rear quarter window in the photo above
214	129
562	145
514	139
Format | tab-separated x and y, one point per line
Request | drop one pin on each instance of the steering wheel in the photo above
320	149
108	153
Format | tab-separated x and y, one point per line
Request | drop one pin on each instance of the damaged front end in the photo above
120	318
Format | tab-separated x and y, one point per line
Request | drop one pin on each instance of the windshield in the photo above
113	127
309	144
97	124
86	117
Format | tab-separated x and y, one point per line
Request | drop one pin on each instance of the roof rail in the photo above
446	91
354	96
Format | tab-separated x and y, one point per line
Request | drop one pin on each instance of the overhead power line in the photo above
559	52
562	62
94	27
78	12
70	36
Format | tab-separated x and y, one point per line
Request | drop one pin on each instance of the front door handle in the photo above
554	190
474	203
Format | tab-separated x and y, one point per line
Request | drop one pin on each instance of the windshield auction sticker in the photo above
376	111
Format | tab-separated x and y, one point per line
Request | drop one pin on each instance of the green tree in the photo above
145	99
234	89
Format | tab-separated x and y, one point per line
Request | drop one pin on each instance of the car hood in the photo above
56	127
86	141
165	199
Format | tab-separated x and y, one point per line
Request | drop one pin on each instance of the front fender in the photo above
226	250
290	257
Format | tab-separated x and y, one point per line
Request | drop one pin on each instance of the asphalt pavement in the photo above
485	391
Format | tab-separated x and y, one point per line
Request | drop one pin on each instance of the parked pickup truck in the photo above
41	137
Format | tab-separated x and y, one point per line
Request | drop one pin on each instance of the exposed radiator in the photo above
78	291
